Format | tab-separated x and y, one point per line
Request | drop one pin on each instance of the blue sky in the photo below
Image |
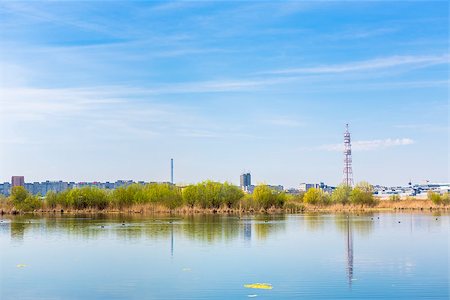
113	90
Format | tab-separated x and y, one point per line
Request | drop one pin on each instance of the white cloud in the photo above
370	145
285	121
372	64
424	127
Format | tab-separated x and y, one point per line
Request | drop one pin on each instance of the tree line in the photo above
203	195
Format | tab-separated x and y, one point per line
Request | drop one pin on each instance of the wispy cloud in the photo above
285	122
372	64
370	145
108	113
361	33
424	127
33	12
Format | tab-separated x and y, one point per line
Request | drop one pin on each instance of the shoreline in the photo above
382	206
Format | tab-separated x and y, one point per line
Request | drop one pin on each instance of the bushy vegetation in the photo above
362	194
341	194
206	195
316	196
203	195
23	200
265	197
438	199
209	194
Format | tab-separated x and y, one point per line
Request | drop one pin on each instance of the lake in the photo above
309	256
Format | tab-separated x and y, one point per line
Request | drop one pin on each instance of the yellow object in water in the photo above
21	265
264	286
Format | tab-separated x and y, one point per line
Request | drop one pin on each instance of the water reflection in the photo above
266	225
247	231
349	248
205	228
171	239
321	246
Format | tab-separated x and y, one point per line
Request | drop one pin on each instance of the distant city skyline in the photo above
95	92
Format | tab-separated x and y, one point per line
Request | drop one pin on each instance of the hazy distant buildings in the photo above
5	188
278	188
17	181
42	188
304	187
246	180
417	190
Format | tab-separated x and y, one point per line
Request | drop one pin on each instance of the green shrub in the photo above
248	202
19	194
314	196
190	195
445	199
435	197
341	194
210	194
265	197
231	194
51	199
362	194
23	200
125	196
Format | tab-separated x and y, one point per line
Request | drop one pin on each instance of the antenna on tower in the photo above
348	172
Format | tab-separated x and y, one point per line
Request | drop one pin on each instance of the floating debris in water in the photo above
21	265
264	286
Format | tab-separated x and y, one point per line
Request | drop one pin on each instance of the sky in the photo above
108	90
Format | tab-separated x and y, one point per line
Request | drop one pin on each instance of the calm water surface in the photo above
311	256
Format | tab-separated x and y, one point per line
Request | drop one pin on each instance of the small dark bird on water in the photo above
103	226
123	224
399	221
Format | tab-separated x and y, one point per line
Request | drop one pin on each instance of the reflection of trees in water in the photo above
20	224
314	221
347	224
349	250
210	228
207	228
265	225
362	224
